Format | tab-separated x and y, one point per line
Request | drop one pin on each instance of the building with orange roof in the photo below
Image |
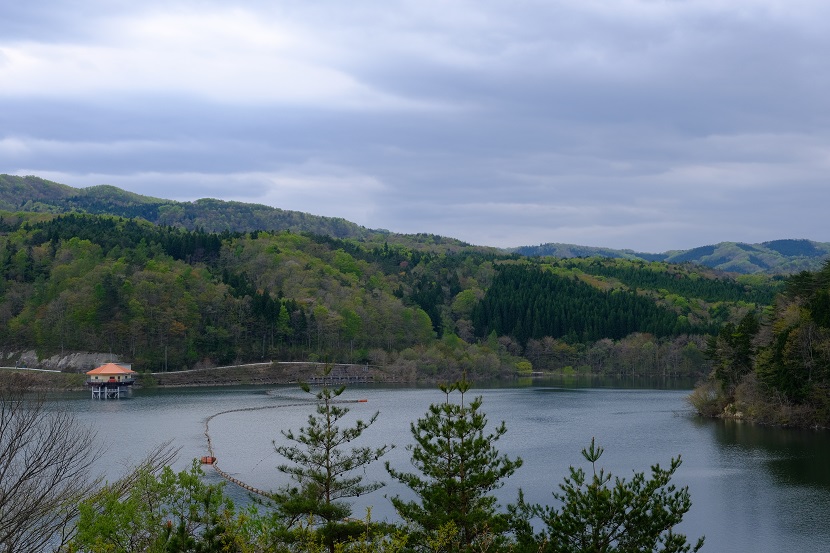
110	381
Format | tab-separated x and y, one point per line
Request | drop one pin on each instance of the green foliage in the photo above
637	354
707	399
458	469
682	282
784	366
732	351
464	302
323	470
527	302
168	298
600	513
795	361
524	367
162	512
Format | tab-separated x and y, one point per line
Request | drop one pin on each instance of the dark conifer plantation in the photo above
528	302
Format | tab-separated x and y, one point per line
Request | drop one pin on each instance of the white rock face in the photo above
77	361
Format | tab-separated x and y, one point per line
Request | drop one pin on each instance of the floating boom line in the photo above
210	459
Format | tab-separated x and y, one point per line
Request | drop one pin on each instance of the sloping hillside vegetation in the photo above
33	194
775	368
23	193
775	257
168	298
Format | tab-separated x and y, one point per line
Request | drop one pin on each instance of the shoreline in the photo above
783	417
254	374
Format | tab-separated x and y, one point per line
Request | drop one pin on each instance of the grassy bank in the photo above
32	379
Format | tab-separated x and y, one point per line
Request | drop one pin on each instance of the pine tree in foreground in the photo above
322	469
603	514
458	469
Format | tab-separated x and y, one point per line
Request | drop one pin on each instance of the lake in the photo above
753	489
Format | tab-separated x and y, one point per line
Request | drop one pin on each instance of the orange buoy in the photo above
208	460
362	400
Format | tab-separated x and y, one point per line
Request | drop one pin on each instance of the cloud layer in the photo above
643	124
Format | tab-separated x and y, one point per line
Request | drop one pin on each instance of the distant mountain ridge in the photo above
34	194
774	257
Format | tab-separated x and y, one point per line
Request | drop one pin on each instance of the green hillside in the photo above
172	285
32	194
167	297
776	257
24	193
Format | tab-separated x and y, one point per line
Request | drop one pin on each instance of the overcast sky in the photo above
644	124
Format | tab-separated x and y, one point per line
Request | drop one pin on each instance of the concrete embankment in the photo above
271	373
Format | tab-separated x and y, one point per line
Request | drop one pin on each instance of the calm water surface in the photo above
753	489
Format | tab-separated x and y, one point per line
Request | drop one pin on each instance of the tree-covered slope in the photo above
22	193
572	250
528	302
775	368
166	297
775	257
33	194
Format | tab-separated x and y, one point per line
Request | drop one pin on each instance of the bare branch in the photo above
46	457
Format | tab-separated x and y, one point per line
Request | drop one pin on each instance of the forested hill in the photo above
165	297
33	194
775	257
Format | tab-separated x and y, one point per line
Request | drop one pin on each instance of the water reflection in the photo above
791	457
577	381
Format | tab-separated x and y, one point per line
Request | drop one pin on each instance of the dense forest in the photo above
35	195
528	302
168	298
774	367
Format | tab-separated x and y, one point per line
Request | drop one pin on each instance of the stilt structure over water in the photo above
110	381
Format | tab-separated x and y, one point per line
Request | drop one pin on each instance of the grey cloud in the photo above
653	126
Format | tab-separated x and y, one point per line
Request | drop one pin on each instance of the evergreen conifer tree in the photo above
322	469
458	469
602	513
